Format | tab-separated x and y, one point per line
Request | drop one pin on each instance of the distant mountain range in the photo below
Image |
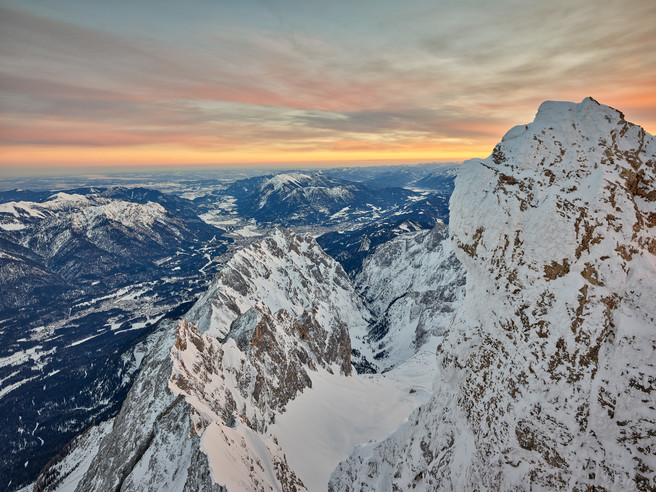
303	199
93	240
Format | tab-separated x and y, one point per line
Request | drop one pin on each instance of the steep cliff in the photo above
288	272
546	377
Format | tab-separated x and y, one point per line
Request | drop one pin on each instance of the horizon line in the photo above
91	170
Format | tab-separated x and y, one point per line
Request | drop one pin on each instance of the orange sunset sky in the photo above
92	85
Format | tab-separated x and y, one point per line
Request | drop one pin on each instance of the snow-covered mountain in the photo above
88	271
287	272
439	180
546	377
262	368
93	242
412	284
279	311
311	198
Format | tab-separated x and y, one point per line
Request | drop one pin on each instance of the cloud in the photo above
356	75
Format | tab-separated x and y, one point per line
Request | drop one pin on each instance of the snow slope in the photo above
547	375
320	427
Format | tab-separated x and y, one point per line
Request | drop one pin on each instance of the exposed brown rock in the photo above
556	270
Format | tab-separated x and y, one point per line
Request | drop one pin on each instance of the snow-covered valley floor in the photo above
322	425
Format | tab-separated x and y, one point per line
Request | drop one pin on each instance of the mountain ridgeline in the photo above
533	310
301	199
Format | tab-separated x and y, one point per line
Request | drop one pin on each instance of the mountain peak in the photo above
546	375
588	108
570	121
279	180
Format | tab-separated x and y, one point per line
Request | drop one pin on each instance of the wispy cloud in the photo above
342	76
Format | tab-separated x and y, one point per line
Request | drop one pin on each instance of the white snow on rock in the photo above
283	271
240	459
412	284
284	310
546	377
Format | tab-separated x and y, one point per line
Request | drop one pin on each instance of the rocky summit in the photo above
546	377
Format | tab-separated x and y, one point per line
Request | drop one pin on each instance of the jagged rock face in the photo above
288	272
547	375
148	416
412	284
266	352
263	364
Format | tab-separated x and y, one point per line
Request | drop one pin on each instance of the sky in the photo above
90	84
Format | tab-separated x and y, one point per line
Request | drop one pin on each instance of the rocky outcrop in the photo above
547	375
288	272
300	306
262	365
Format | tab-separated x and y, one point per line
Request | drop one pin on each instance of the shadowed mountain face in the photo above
412	284
84	275
546	376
